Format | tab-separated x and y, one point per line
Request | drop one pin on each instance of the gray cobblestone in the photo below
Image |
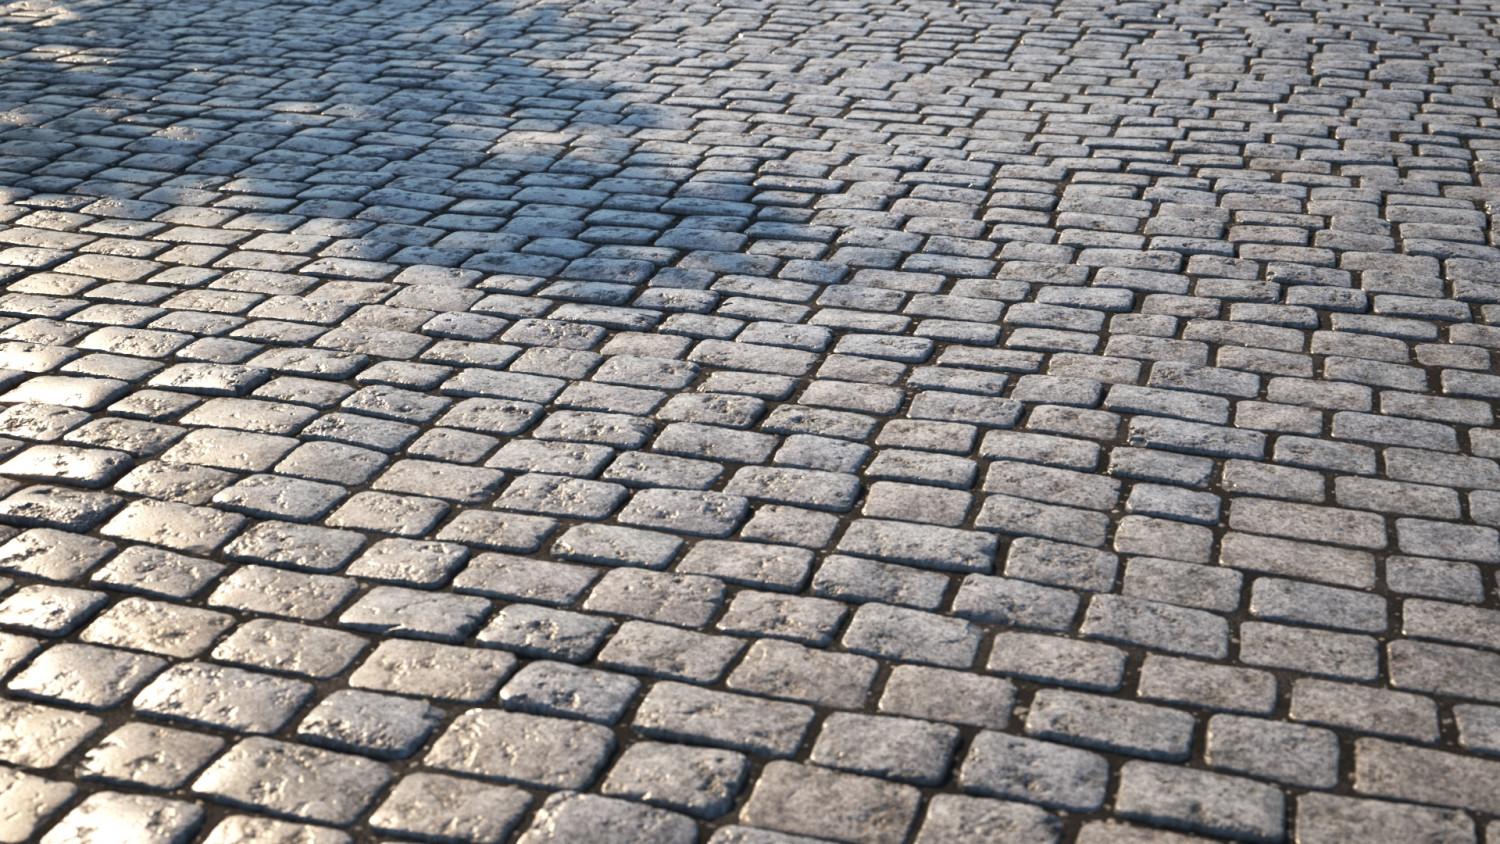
1283	752
1041	772
1212	687
225	698
907	635
793	672
433	806
53	555
733	721
334	788
1102	723
1199	801
681	599
1053	659
50	611
284	647
409	613
1365	710
1319	606
811	621
898	749
1098	832
298	547
661	335
32	800
1298	559
529	750
803	799
701	782
570	816
1420	775
305	597
1326	818
546	633
267	831
859	580
662	651
84	676
1342	655
102	816
427	669
969	819
156	627
1156	625
965	699
369	724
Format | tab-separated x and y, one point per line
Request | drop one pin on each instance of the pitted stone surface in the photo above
149	756
436	807
30	801
293	781
127	818
1079	415
525	749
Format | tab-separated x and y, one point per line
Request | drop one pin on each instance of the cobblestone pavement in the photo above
667	421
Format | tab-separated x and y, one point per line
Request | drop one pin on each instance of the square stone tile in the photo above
699	781
223	698
85	675
53	555
369	724
332	788
433	807
293	546
49	610
149	756
408	562
568	691
36	736
379	512
261	590
156	573
408	613
287	648
112	816
586	817
431	670
528	750
179	527
157	627
31	801
546	633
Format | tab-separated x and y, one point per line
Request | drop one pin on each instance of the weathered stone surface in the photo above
29	802
514	747
701	782
811	801
710	384
1033	771
293	781
1198	801
437	807
585	817
131	818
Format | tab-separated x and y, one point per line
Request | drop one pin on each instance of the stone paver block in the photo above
806	800
437	807
289	780
701	782
530	750
570	816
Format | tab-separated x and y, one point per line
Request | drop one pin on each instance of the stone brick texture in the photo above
749	422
